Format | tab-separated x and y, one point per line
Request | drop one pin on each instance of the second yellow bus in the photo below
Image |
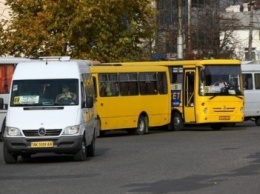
132	98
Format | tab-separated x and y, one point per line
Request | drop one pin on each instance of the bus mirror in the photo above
202	74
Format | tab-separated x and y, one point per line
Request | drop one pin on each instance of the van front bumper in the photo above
60	145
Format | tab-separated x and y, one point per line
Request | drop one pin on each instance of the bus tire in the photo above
91	147
257	121
81	155
177	122
142	125
8	157
216	126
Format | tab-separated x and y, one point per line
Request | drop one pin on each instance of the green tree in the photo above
114	30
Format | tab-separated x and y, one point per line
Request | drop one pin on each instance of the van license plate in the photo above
42	144
224	117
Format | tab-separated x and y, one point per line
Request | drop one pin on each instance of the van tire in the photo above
2	131
8	157
91	148
81	155
177	122
142	125
98	127
257	121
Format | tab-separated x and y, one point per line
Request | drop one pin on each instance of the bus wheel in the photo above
216	126
81	155
142	126
9	158
257	121
177	122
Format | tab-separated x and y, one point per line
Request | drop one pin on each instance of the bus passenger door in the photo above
189	109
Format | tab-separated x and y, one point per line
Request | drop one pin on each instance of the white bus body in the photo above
38	123
251	78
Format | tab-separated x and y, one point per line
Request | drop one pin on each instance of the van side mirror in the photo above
2	104
89	102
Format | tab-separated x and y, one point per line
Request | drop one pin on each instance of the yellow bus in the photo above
198	97
132	98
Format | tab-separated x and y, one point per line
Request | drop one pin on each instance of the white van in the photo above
251	78
42	118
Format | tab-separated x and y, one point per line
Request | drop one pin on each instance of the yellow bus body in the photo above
123	112
215	109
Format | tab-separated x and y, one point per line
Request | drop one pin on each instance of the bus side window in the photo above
103	89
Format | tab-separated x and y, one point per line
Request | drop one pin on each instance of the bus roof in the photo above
110	69
179	62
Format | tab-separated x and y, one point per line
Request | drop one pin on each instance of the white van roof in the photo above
250	67
51	69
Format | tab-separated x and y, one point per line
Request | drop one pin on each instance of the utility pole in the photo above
251	4
189	29
179	38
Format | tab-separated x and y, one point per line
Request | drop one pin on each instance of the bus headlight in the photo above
71	130
12	132
205	110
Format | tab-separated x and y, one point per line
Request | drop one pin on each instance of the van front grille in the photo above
35	132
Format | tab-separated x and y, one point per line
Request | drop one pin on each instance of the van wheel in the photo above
2	131
216	126
142	126
98	128
91	147
81	154
8	157
257	121
177	121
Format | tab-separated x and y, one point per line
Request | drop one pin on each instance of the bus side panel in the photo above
125	112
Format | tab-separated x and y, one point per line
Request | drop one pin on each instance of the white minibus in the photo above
51	110
251	79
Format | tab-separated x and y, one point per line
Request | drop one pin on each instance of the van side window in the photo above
257	81
248	81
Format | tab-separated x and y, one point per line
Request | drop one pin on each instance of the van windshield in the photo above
47	92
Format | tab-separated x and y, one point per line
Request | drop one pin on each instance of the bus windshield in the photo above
220	80
48	92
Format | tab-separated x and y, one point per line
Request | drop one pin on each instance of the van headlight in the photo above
12	132
71	130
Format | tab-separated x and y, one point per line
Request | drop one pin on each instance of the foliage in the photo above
94	29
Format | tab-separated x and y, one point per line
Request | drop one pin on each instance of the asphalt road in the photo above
195	161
